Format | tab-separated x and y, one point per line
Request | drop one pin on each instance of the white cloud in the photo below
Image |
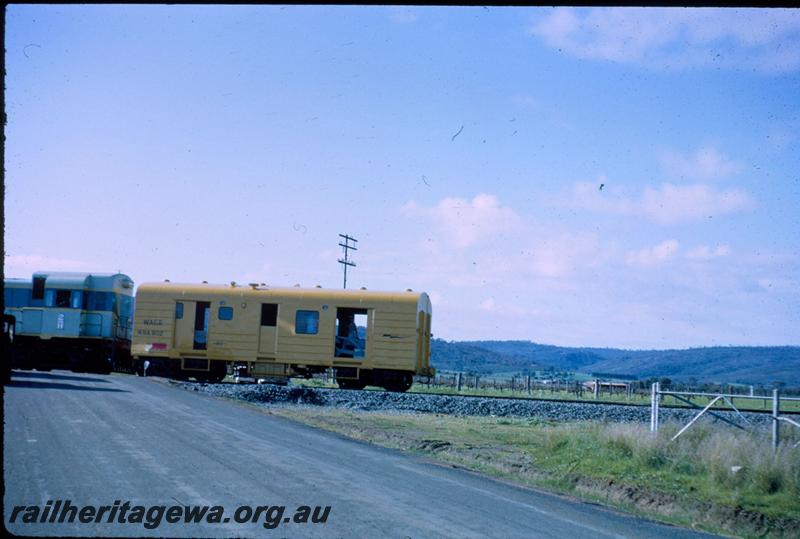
403	15
760	39
653	255
26	265
557	255
705	164
666	204
704	252
467	222
487	305
480	242
674	203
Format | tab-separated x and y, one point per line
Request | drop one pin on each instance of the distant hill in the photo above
723	364
465	357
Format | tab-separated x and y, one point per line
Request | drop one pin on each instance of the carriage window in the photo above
49	298
38	288
225	313
269	314
77	299
178	311
306	322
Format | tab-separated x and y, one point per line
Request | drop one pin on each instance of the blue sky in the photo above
464	148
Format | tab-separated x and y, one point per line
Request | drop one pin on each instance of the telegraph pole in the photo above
346	260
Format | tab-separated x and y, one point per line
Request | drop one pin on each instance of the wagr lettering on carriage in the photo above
150	332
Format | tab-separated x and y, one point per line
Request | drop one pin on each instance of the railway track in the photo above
583	401
546	400
444	403
539	399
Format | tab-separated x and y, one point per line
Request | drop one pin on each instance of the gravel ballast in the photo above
454	404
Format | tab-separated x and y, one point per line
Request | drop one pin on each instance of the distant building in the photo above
605	386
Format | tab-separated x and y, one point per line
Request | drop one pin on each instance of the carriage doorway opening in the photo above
201	325
351	332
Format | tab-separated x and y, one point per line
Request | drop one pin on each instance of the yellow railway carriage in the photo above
199	330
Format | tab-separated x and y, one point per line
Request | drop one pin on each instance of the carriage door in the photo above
267	336
191	325
351	332
184	325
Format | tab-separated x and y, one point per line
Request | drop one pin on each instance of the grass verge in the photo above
711	478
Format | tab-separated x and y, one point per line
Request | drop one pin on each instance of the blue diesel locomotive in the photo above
78	321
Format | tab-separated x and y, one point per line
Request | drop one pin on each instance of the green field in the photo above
711	478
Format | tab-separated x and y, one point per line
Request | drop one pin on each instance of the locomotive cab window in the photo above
225	313
62	298
306	322
59	298
178	310
100	301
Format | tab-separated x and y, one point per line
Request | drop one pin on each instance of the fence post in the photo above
596	388
458	383
654	408
477	378
776	410
528	384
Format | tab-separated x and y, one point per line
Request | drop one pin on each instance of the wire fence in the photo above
776	400
608	390
528	384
